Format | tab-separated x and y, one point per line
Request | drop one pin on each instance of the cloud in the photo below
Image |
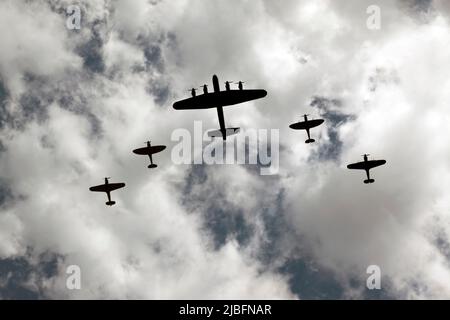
76	102
32	45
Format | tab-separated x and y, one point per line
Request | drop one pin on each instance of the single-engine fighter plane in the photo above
108	187
219	99
306	125
367	165
148	151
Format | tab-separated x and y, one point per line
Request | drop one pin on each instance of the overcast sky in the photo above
74	103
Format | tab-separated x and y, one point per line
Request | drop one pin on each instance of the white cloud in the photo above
150	245
35	43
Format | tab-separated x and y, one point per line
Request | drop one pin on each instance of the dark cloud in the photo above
306	280
76	102
220	220
420	5
41	93
5	192
22	279
422	11
153	57
160	90
158	87
92	50
442	242
5	117
226	224
329	109
32	107
310	282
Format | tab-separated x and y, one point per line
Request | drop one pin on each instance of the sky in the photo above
74	103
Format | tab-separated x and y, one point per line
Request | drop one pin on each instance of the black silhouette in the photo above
367	165
148	151
108	187
306	125
219	99
193	92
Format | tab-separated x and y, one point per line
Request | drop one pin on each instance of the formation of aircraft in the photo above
219	99
107	187
367	165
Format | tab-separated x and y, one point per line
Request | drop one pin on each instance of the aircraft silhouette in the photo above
193	91
306	125
108	187
219	99
366	165
148	151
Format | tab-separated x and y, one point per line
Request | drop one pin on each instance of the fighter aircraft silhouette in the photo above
108	187
306	125
367	165
148	151
219	99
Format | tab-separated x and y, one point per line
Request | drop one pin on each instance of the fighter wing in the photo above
375	163
141	151
365	165
146	151
107	187
114	186
100	188
306	124
358	165
156	149
219	99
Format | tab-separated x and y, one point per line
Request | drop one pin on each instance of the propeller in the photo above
227	84
305	116
240	84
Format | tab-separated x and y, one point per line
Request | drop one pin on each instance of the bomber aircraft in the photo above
219	99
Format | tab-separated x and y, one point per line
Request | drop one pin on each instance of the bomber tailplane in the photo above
222	134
